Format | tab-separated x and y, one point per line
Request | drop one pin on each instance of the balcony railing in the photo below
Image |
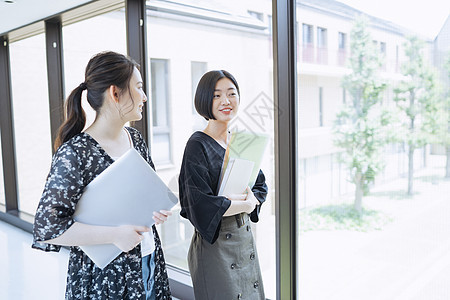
341	58
322	55
314	55
308	53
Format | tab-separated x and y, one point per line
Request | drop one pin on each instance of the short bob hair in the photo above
204	95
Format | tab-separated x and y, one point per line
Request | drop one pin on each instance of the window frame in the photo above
285	81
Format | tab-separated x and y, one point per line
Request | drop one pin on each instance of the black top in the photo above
76	163
199	177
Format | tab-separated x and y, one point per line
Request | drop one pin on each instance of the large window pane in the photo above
84	39
365	231
235	37
197	71
2	184
161	146
31	118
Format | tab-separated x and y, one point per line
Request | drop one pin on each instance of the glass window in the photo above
397	61
269	23
307	36
197	71
2	184
383	55
383	48
321	37
307	43
342	40
84	39
322	52
358	228
161	152
238	44
31	119
342	45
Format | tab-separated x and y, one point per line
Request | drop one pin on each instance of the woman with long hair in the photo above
114	89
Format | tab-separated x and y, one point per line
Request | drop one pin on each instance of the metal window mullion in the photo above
285	78
136	23
55	74
7	129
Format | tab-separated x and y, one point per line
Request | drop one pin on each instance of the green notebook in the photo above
249	146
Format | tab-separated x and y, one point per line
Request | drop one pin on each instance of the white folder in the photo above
236	177
126	193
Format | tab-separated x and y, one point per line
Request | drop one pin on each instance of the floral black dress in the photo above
76	163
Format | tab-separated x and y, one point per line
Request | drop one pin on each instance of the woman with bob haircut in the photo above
115	91
222	257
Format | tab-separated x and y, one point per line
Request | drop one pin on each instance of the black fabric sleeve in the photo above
260	190
197	198
62	191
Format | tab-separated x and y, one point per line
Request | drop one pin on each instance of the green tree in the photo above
358	126
416	99
443	138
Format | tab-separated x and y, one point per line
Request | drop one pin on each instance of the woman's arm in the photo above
242	203
125	237
260	190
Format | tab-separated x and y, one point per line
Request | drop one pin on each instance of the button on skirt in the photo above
229	268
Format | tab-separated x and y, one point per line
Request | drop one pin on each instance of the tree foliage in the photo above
443	136
416	100
358	129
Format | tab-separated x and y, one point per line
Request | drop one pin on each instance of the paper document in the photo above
245	146
236	177
126	193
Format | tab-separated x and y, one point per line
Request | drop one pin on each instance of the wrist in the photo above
114	234
250	207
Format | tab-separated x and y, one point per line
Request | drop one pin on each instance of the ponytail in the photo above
75	117
103	70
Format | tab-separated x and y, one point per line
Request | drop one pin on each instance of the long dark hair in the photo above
103	70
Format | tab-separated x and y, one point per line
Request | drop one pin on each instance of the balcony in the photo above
341	57
321	55
307	53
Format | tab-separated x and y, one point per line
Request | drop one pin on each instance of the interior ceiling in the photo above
24	12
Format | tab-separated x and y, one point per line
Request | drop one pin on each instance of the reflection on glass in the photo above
342	46
196	37
361	236
161	147
160	114
84	39
197	71
307	43
31	118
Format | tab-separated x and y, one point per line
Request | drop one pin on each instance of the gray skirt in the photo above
229	268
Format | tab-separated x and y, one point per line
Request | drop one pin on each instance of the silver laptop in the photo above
126	193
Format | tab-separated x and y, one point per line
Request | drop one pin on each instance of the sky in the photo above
424	17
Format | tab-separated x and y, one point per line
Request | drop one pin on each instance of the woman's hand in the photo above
237	197
161	216
242	203
126	237
250	200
